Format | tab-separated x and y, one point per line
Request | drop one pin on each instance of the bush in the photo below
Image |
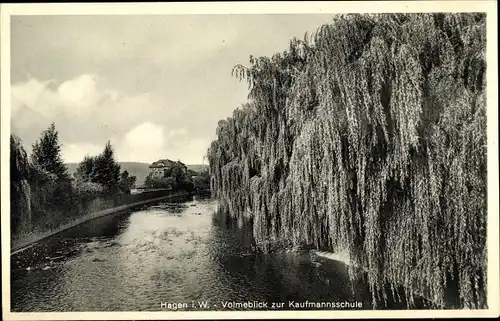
86	191
160	182
201	182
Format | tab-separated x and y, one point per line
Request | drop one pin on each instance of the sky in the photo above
155	86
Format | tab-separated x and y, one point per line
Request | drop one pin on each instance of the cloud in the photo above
73	98
144	142
29	95
87	114
149	142
82	108
74	153
103	78
81	95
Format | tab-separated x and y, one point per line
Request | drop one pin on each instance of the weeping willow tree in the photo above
368	136
19	187
31	190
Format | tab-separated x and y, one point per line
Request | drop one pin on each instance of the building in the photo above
164	167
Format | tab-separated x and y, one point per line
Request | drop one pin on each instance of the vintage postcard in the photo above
221	160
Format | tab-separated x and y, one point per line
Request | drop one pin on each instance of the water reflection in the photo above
170	252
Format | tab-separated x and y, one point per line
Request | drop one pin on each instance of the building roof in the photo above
162	163
181	164
166	163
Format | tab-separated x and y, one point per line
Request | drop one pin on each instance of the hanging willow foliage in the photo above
368	136
19	187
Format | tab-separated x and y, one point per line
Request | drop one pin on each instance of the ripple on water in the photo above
165	253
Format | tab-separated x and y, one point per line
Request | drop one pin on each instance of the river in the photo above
171	256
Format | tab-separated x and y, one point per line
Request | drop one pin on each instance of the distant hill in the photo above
197	167
139	170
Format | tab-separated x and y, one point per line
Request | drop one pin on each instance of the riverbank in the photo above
30	239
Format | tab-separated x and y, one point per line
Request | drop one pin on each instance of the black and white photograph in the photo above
231	163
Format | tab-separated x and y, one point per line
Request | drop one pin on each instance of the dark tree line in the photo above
43	193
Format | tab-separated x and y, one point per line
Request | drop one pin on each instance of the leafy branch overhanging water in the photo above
368	136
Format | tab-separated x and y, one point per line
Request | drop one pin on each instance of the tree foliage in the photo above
43	195
39	185
178	174
87	190
368	136
50	180
175	178
160	182
126	182
106	170
101	169
19	186
85	169
47	154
